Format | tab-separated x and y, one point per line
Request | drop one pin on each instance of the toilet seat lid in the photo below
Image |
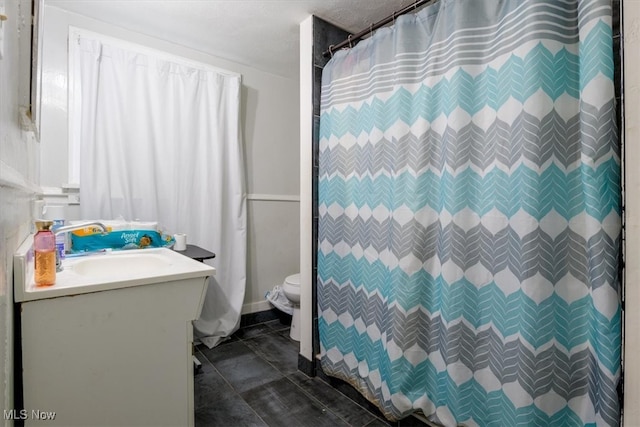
293	280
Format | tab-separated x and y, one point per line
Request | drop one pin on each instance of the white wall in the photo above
270	123
306	189
18	160
631	97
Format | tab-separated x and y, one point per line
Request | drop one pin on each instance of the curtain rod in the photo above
356	37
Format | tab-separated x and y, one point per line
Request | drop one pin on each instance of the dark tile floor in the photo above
253	380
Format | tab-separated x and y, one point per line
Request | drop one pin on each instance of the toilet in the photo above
291	288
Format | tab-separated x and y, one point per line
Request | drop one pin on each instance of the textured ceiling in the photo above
261	33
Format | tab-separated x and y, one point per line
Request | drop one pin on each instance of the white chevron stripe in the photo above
571	289
553	224
494	221
488	380
334	355
582	405
447	169
586	225
611	224
593	93
510	110
566	106
484	118
517	395
523	223
425	405
605	299
479	276
537	288
350	360
538	105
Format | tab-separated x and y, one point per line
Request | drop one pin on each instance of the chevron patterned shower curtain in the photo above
469	202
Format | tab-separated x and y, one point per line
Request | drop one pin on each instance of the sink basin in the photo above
104	271
141	263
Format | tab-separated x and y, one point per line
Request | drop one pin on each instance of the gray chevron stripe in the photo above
454	340
538	141
549	371
563	17
593	262
418	327
568	375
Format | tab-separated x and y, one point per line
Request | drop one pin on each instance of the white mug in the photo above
181	242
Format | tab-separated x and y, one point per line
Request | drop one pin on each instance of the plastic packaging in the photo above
121	235
44	248
56	214
81	241
279	300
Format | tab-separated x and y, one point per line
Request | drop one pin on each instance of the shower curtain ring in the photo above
370	30
331	50
349	38
393	18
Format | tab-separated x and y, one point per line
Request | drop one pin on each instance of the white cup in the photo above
181	242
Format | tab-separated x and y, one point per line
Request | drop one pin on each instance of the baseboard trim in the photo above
273	197
255	307
251	319
306	366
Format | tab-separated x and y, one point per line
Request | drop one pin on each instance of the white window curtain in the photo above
158	139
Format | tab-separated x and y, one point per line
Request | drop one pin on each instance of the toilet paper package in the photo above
120	235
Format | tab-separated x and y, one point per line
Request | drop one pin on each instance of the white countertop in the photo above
104	271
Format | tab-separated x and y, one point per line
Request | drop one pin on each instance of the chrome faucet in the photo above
68	228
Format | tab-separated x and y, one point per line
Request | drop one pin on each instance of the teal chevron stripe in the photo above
593	261
518	78
596	54
335	338
569	324
468	400
515	366
555	74
539	68
595	191
478	44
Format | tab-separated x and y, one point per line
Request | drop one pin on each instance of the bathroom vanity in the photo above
111	343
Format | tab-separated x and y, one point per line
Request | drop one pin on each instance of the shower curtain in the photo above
469	215
158	139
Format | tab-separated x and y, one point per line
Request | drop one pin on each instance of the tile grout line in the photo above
232	388
287	377
256	351
375	416
322	405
